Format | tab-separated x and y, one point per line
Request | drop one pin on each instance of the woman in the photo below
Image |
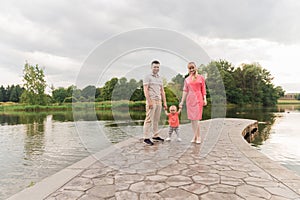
195	94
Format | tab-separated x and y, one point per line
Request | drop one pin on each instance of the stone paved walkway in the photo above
224	166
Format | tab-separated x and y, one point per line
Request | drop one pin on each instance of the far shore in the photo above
104	105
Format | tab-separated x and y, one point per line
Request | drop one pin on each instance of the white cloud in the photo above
280	59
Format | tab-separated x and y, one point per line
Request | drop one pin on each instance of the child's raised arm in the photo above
179	110
166	112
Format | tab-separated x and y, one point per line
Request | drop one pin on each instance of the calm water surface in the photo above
283	142
36	145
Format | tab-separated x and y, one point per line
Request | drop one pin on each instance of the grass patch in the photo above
35	108
105	105
287	101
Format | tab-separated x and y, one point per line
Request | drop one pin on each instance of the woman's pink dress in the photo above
194	99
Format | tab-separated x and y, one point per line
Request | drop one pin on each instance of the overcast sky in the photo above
59	35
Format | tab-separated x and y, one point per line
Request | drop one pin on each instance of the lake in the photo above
282	144
36	145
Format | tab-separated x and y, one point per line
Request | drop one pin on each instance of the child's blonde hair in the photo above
173	106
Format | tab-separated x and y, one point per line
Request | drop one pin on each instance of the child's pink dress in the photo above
194	100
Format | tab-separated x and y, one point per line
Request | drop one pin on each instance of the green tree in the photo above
34	85
106	91
214	82
176	86
2	93
15	94
247	84
171	96
73	94
280	91
89	93
121	91
226	71
98	94
60	94
138	94
256	85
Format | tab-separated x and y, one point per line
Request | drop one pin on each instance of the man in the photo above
155	94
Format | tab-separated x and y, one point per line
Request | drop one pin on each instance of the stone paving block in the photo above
231	181
293	183
156	178
282	191
249	191
189	172
207	179
151	196
222	188
178	180
125	195
176	193
233	174
278	198
128	178
122	186
196	188
263	183
168	172
148	187
95	173
90	197
102	191
107	180
66	195
80	184
220	167
216	195
261	174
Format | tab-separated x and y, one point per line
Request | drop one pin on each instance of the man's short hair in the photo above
155	62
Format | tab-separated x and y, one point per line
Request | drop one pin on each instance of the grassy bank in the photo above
34	108
286	101
105	105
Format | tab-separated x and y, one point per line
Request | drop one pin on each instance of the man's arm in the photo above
163	96
146	93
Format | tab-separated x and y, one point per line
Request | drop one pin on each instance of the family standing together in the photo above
194	93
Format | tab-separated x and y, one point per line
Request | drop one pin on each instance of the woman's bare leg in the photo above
196	130
194	127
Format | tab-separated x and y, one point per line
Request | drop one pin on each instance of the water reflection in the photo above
34	140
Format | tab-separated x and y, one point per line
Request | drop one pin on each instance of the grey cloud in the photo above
72	29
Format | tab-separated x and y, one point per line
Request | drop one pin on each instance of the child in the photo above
173	121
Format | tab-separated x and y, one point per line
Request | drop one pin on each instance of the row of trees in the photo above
246	84
11	93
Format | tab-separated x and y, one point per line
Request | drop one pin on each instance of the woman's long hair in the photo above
196	73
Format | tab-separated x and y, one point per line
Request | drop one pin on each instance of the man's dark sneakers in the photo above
148	141
158	139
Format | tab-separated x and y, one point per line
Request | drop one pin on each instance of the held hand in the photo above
180	105
205	102
165	107
150	105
